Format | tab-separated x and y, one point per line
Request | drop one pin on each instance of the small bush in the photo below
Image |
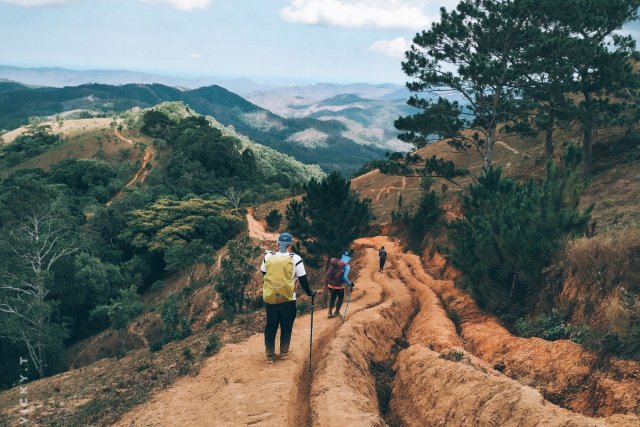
303	307
273	219
187	353
156	346
454	355
219	317
550	326
157	286
213	344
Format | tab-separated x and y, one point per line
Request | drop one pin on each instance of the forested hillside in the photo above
19	104
104	247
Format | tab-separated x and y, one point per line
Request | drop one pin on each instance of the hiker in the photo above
382	254
336	279
279	270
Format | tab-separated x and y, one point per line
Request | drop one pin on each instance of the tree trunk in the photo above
488	150
587	139
548	143
587	150
513	286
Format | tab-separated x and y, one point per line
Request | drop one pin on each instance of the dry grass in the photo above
607	262
86	146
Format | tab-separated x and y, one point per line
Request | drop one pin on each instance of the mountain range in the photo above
312	141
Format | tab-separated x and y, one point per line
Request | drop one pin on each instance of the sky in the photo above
270	41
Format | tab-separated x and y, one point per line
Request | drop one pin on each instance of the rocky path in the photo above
413	351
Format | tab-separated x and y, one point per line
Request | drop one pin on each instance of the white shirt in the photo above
298	270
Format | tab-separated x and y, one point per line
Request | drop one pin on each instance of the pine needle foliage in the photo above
511	230
329	217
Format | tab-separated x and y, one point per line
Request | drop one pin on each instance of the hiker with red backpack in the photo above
336	278
280	270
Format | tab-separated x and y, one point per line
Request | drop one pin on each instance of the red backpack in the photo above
335	273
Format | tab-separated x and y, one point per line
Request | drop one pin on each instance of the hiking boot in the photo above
285	355
271	358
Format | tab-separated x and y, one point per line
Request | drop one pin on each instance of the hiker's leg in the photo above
288	312
340	293
271	328
382	261
332	301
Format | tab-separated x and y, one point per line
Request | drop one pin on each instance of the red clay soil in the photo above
563	371
343	391
438	380
236	387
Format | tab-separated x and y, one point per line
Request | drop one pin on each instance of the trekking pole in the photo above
346	307
311	334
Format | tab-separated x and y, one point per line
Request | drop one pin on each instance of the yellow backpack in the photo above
278	281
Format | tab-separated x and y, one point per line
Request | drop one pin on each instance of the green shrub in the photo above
157	286
550	326
510	232
273	219
303	307
156	346
187	353
213	344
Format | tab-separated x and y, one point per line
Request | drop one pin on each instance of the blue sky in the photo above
288	41
266	40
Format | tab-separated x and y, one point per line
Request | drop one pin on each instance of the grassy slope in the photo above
614	187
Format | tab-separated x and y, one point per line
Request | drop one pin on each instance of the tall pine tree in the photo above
470	66
329	217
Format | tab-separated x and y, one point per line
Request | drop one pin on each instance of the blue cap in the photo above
285	238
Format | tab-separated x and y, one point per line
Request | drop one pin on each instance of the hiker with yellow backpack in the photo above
280	270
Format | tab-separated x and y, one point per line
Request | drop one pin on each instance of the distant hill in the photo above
367	121
60	77
309	140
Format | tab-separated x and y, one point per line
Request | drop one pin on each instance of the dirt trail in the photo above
563	371
236	387
443	376
142	172
256	230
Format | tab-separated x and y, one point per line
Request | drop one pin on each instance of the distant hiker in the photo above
336	279
280	270
382	254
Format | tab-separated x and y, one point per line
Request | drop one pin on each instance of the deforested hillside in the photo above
287	135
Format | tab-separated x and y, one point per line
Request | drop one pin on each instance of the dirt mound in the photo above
563	371
450	386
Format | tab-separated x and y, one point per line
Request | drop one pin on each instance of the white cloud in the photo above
178	4
394	48
195	56
36	3
184	4
407	14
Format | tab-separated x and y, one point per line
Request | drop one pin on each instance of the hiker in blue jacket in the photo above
337	289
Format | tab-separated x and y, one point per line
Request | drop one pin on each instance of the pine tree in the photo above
329	217
580	50
470	62
510	231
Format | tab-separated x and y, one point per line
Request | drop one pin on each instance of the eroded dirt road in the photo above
441	373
